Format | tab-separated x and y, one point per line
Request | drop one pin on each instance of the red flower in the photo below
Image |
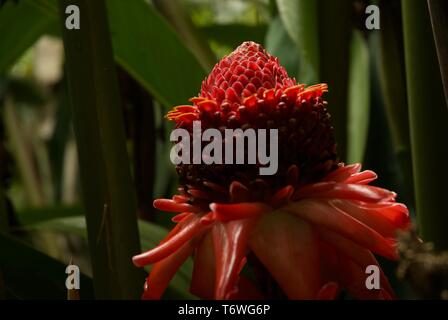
311	228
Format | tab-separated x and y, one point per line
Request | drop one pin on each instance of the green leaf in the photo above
391	67
300	18
61	146
30	274
36	215
359	98
22	90
428	118
108	191
334	44
147	47
280	44
439	11
150	236
21	25
175	12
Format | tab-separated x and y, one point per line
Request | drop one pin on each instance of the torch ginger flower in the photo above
312	228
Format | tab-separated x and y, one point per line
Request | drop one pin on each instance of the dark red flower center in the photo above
249	89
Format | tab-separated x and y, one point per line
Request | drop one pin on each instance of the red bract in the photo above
312	228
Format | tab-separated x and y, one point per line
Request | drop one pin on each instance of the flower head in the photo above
310	229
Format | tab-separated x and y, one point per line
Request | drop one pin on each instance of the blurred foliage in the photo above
29	274
300	19
151	235
424	268
162	52
358	98
428	116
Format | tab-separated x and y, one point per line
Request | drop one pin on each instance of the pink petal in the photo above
281	196
288	248
170	205
359	255
190	229
329	291
227	212
346	191
246	291
180	198
292	175
181	216
372	218
238	192
200	194
396	213
203	279
328	262
215	187
353	278
364	177
163	271
230	244
343	173
177	227
321	213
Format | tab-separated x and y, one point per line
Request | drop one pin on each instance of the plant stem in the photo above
438	10
393	84
334	38
21	151
428	122
108	192
141	127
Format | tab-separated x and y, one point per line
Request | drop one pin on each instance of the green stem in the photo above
334	38
393	84
428	116
21	150
108	191
439	13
